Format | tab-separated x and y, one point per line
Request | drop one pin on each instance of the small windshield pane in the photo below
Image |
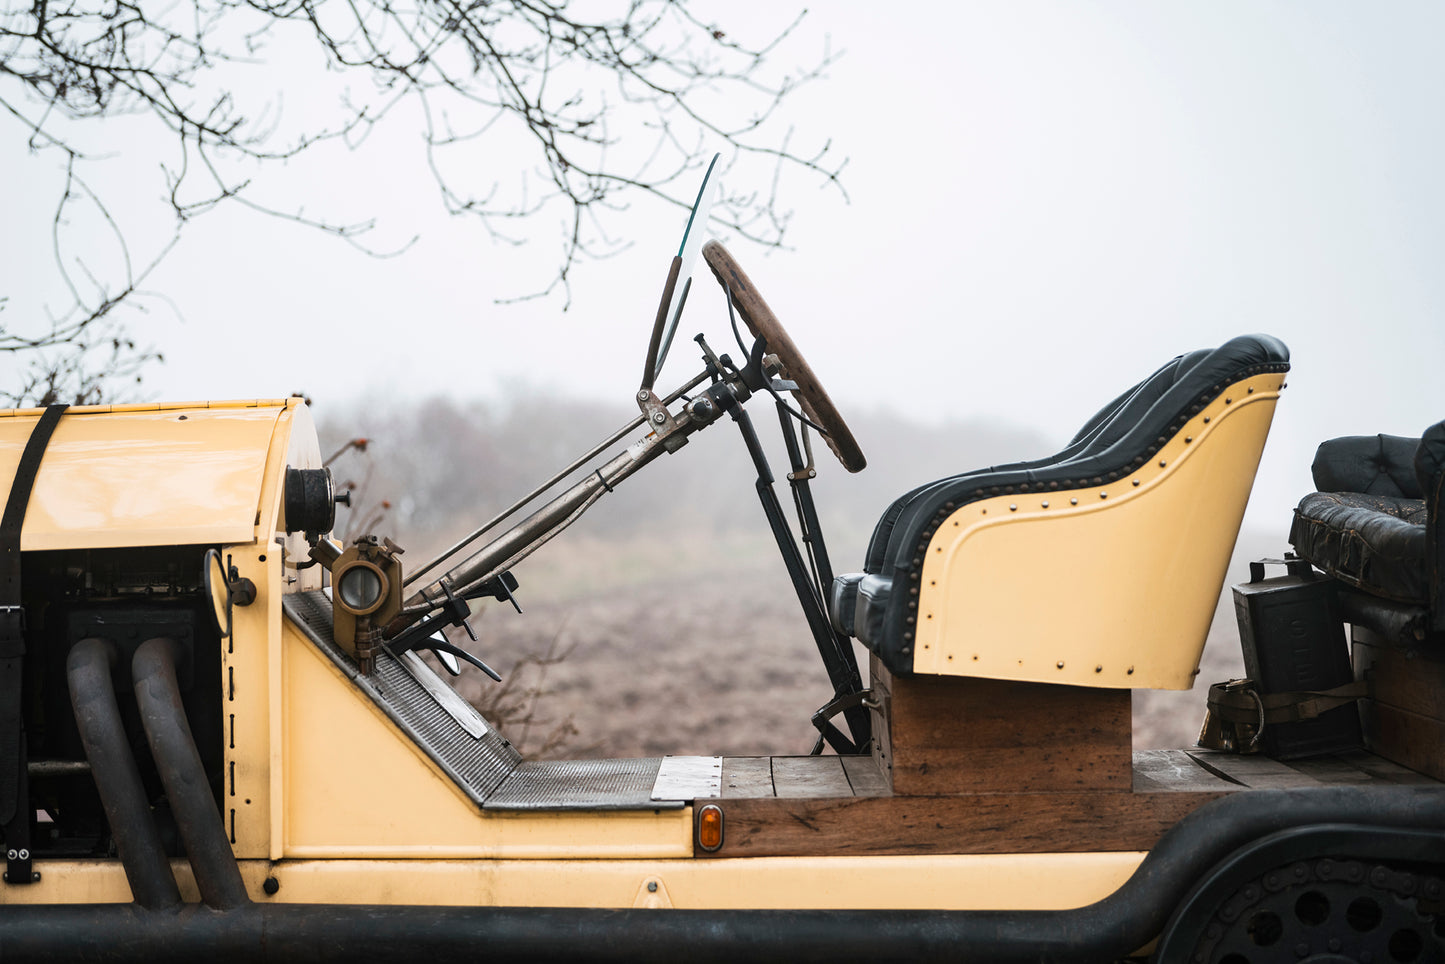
693	236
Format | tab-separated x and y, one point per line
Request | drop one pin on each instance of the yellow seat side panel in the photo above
1113	585
143	475
355	785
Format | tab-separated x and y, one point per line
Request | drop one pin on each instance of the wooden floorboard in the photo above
1175	771
1154	771
865	776
1255	772
797	777
1336	770
1388	771
747	776
800	806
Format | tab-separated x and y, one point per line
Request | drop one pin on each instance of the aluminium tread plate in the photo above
688	778
478	764
581	785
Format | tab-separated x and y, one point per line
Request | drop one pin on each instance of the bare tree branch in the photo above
530	109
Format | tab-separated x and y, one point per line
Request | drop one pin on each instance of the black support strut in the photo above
842	670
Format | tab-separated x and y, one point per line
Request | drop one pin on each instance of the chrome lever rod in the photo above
524	538
532	496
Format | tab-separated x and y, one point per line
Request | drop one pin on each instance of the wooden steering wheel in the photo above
765	325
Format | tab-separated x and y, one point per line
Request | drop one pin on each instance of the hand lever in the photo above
423	634
500	588
448	655
448	661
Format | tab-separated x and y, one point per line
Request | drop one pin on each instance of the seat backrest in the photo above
1372	464
1119	548
1102	430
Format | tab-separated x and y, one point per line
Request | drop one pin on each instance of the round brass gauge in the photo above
360	588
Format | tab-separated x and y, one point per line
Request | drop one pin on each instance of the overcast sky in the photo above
1047	201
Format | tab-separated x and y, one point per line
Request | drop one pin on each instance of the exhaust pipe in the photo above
169	733
132	827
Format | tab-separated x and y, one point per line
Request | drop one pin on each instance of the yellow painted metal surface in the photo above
354	785
141	475
249	701
250	681
1111	585
973	882
93	881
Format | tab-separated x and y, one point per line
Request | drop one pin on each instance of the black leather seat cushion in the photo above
1374	542
1371	464
1377	522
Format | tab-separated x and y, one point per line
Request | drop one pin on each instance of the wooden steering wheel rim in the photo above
765	325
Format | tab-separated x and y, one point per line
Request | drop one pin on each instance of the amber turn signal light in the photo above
710	827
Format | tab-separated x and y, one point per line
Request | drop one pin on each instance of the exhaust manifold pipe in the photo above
218	876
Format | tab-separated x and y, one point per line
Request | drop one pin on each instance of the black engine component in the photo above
310	502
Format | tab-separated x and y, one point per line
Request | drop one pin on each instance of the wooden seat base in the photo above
956	734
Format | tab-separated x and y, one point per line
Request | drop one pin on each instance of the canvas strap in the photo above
14	784
1237	701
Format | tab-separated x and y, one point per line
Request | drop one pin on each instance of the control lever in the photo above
426	633
447	654
448	661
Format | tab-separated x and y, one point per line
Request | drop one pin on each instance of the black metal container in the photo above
1294	641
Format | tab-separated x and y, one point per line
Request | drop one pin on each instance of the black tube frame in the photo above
842	681
860	723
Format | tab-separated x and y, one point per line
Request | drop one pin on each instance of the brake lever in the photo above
448	655
424	634
448	661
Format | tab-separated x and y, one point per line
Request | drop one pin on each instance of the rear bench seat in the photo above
1377	522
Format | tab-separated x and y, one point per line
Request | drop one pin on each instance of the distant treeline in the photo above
433	469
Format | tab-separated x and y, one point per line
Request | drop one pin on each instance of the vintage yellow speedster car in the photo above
218	741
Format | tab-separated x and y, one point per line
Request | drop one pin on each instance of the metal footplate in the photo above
688	778
445	726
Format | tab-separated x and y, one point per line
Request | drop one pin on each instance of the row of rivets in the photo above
1013	507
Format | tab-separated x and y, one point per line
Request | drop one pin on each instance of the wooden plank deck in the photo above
797	806
1155	771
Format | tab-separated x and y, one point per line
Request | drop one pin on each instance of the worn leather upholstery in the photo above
1373	542
1430	475
1119	439
1368	464
1376	523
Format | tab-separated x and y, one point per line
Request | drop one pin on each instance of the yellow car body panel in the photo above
951	882
141	475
